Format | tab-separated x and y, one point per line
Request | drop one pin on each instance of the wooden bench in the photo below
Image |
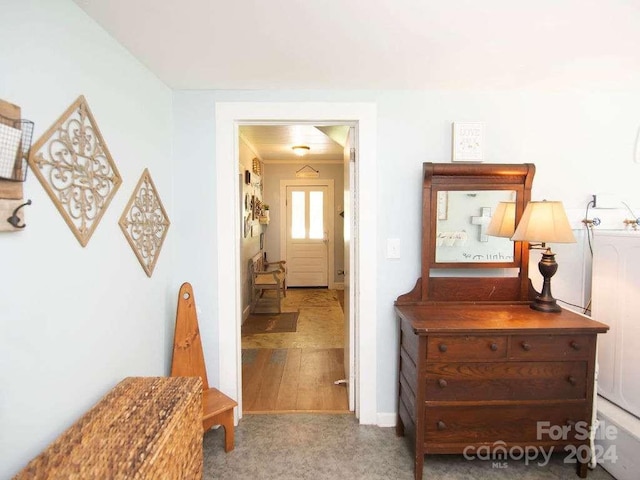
145	428
188	361
265	276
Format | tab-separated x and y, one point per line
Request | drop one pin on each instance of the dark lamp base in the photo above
545	301
547	306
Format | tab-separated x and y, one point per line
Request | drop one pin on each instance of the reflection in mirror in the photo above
503	221
463	220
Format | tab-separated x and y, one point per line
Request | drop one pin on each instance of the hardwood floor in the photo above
296	371
293	379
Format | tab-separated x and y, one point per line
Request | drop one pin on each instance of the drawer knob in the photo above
575	345
441	425
442	383
572	380
526	346
493	347
442	347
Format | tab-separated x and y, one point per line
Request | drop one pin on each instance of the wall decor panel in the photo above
145	223
75	167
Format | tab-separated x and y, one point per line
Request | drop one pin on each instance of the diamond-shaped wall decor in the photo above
74	166
144	223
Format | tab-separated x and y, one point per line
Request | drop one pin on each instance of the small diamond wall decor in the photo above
144	223
73	164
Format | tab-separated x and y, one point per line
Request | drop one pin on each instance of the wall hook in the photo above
14	219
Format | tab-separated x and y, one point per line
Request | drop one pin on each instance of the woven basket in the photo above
145	428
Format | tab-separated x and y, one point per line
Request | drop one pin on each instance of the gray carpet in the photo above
306	446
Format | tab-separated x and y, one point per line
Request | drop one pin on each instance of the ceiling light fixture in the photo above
300	150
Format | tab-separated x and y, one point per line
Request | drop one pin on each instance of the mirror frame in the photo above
439	177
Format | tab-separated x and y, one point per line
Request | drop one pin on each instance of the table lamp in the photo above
544	222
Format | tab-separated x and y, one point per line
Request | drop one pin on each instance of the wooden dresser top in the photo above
493	318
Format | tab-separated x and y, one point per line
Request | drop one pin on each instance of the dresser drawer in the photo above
485	381
561	347
466	348
521	424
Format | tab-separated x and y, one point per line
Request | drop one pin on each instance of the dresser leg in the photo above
419	466
582	469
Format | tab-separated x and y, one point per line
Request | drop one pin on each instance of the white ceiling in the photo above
272	143
380	44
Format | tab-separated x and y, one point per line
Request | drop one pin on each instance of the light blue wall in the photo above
195	221
75	321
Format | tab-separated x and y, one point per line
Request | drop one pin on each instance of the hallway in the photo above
296	371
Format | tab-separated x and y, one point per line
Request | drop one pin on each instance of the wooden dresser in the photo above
494	375
480	369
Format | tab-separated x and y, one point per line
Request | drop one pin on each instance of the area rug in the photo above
270	323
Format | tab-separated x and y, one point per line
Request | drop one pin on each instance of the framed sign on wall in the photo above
467	142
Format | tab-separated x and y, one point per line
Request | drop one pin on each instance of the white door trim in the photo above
228	116
325	182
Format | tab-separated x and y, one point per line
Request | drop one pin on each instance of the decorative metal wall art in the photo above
145	223
73	164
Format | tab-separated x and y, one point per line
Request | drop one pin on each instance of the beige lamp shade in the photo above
544	222
503	221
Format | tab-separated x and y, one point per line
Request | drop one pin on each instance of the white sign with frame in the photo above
467	142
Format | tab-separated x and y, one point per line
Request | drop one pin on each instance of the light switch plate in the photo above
393	248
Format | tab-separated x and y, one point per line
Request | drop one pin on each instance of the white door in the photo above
349	222
307	244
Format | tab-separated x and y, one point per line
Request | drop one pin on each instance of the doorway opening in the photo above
229	116
294	349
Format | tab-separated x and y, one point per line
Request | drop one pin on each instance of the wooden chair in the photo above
267	276
188	361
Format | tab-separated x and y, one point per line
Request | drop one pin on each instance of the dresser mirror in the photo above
459	260
461	228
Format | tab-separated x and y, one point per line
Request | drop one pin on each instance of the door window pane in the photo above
297	215
316	215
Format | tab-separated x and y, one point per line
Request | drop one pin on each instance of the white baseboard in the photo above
387	419
246	312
